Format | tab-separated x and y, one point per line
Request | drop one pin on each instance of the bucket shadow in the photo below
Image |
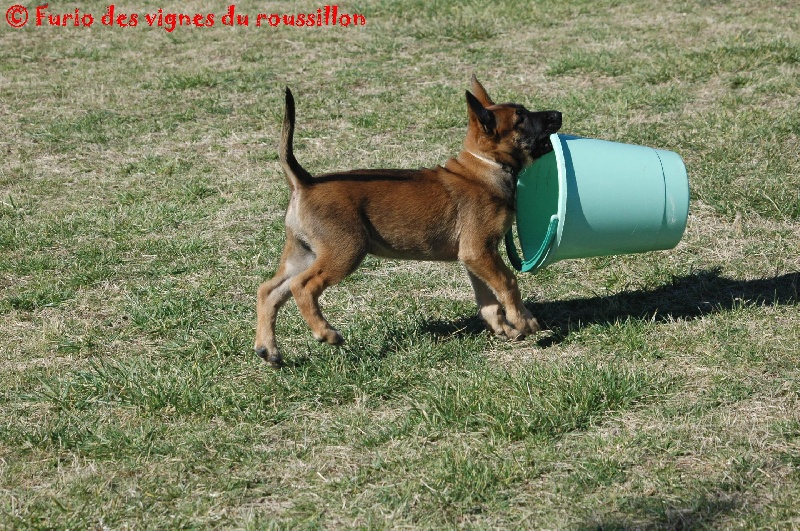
686	297
654	513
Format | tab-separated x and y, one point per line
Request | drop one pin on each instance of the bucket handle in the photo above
535	262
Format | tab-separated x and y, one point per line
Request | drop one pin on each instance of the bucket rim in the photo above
557	140
552	237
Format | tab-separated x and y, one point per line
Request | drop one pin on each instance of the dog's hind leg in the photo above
329	268
273	294
490	309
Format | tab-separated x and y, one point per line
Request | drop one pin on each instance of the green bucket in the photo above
593	197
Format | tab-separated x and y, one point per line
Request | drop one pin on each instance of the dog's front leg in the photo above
490	309
490	269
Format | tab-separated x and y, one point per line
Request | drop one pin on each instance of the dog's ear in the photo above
481	114
480	92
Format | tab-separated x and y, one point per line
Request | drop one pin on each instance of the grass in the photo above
141	204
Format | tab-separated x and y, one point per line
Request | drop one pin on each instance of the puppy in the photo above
459	211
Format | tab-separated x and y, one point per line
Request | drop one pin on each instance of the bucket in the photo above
593	197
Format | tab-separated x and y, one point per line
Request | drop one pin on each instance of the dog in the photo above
459	211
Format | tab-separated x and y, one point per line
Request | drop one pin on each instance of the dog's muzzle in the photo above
543	145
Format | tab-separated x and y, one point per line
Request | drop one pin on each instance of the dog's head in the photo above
508	133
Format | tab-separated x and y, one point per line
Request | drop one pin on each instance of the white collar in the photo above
484	159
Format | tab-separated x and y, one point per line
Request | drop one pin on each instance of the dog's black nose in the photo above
554	120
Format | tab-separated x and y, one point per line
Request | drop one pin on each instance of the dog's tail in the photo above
296	175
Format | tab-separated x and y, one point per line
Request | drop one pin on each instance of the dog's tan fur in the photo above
459	211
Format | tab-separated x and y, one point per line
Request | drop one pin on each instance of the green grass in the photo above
141	204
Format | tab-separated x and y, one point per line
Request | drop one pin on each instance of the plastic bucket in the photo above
593	197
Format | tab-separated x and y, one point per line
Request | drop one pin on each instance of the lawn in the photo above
141	204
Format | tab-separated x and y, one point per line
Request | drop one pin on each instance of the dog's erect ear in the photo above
480	92
484	116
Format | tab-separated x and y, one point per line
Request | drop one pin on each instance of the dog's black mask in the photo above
540	125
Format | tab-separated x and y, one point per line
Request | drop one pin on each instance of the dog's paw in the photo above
528	327
510	333
273	358
330	336
532	326
497	324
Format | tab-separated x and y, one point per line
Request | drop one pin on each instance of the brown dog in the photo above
457	212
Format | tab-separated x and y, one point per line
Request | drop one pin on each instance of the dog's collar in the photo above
484	159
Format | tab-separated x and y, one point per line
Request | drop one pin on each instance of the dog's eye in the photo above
521	115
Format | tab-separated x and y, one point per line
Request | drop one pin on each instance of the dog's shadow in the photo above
687	297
